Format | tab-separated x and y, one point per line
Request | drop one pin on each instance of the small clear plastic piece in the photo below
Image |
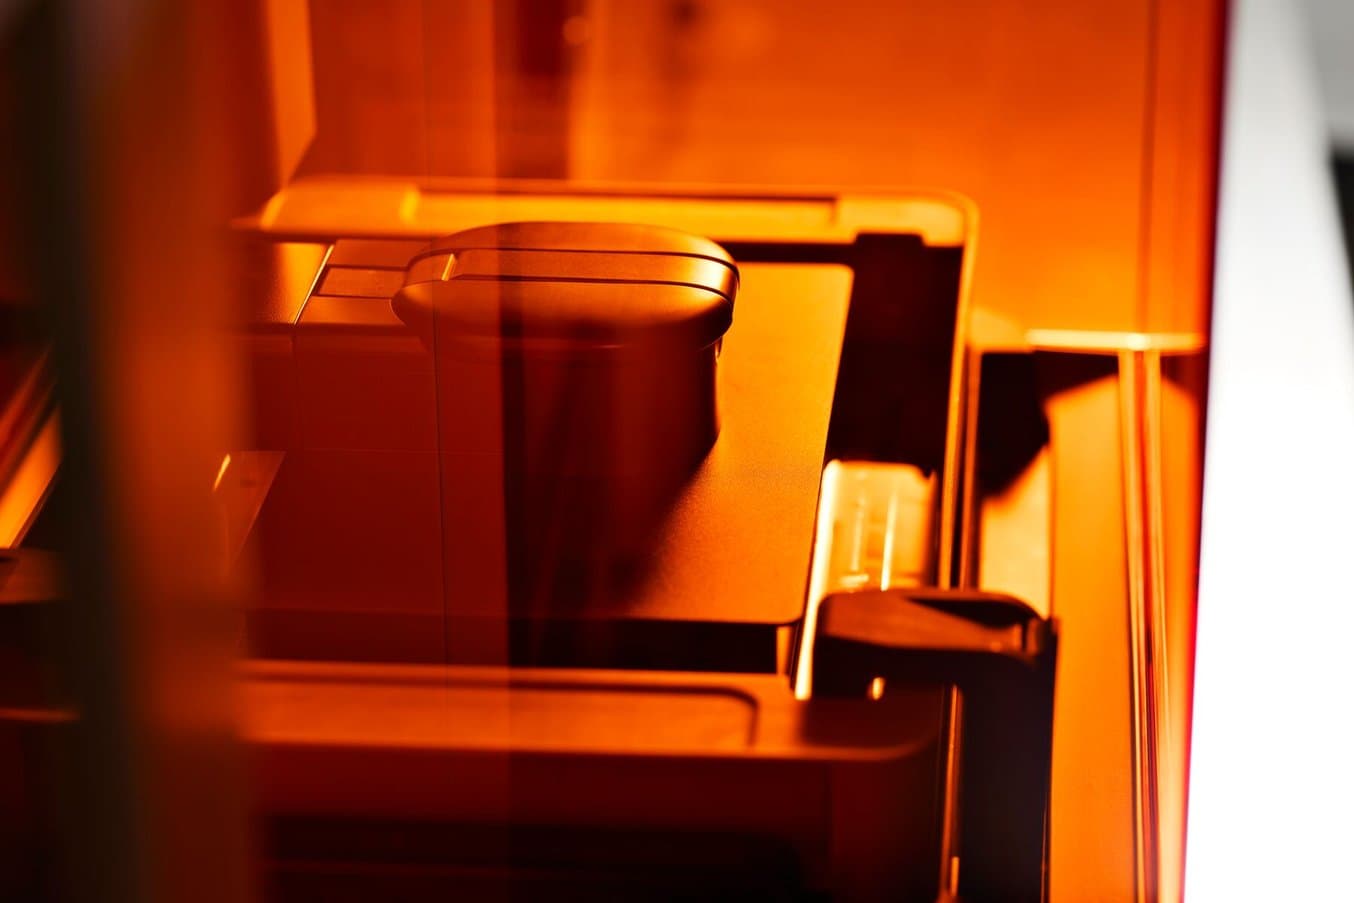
874	532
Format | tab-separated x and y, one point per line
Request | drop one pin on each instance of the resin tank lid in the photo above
580	285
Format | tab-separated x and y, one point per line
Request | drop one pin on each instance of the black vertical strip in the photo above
101	851
893	379
1006	767
1343	165
531	141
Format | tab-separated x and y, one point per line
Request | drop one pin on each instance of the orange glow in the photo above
379	516
29	484
221	472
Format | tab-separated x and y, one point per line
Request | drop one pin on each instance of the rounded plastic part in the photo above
588	286
586	354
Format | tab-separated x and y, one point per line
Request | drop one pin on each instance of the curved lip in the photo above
592	280
442	243
437	252
574	258
451	275
418	316
276	217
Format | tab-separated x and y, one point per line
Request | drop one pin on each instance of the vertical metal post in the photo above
131	158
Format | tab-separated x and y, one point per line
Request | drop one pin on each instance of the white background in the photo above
1272	798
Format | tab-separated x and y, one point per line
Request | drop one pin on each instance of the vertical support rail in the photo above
1140	424
960	503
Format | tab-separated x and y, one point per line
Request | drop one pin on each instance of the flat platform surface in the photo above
357	532
431	707
737	542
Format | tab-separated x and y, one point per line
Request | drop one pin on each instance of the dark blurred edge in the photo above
1343	166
